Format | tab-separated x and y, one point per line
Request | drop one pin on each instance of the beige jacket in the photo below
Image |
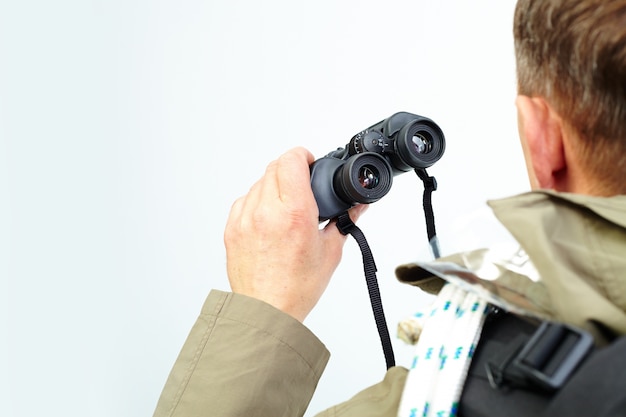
245	358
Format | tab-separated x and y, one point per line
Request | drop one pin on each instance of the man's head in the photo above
571	69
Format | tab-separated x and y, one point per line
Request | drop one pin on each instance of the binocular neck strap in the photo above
347	226
430	185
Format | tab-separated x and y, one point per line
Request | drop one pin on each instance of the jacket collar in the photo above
570	267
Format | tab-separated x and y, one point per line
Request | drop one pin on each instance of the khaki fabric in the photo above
380	400
245	358
577	245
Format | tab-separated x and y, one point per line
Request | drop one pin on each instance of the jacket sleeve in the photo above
379	400
243	357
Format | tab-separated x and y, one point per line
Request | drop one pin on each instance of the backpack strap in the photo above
523	367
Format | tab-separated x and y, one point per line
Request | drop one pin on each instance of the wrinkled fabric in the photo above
570	269
245	358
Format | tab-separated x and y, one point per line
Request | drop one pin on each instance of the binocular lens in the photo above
369	176
423	142
364	178
419	145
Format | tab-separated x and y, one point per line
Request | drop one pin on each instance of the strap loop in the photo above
345	224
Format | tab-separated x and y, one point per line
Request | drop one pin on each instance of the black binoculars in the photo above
362	172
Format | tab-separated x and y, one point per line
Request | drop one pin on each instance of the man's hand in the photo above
275	251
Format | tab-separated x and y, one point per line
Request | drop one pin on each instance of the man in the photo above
248	353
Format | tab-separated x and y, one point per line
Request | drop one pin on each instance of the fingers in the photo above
284	190
334	238
287	180
286	177
274	249
357	211
292	174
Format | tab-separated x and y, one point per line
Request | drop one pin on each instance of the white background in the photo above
128	128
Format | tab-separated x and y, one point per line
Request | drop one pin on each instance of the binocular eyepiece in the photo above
362	172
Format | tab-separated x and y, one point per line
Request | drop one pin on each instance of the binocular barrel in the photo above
362	172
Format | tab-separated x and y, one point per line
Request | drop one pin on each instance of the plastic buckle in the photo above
552	354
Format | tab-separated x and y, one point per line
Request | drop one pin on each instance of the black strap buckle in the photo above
552	354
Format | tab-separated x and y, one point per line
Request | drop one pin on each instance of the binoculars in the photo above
362	172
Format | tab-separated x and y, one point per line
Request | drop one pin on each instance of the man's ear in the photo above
541	133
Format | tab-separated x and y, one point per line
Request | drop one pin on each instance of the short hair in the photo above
573	53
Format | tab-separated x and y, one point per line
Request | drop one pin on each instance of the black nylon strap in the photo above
430	185
595	389
347	226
